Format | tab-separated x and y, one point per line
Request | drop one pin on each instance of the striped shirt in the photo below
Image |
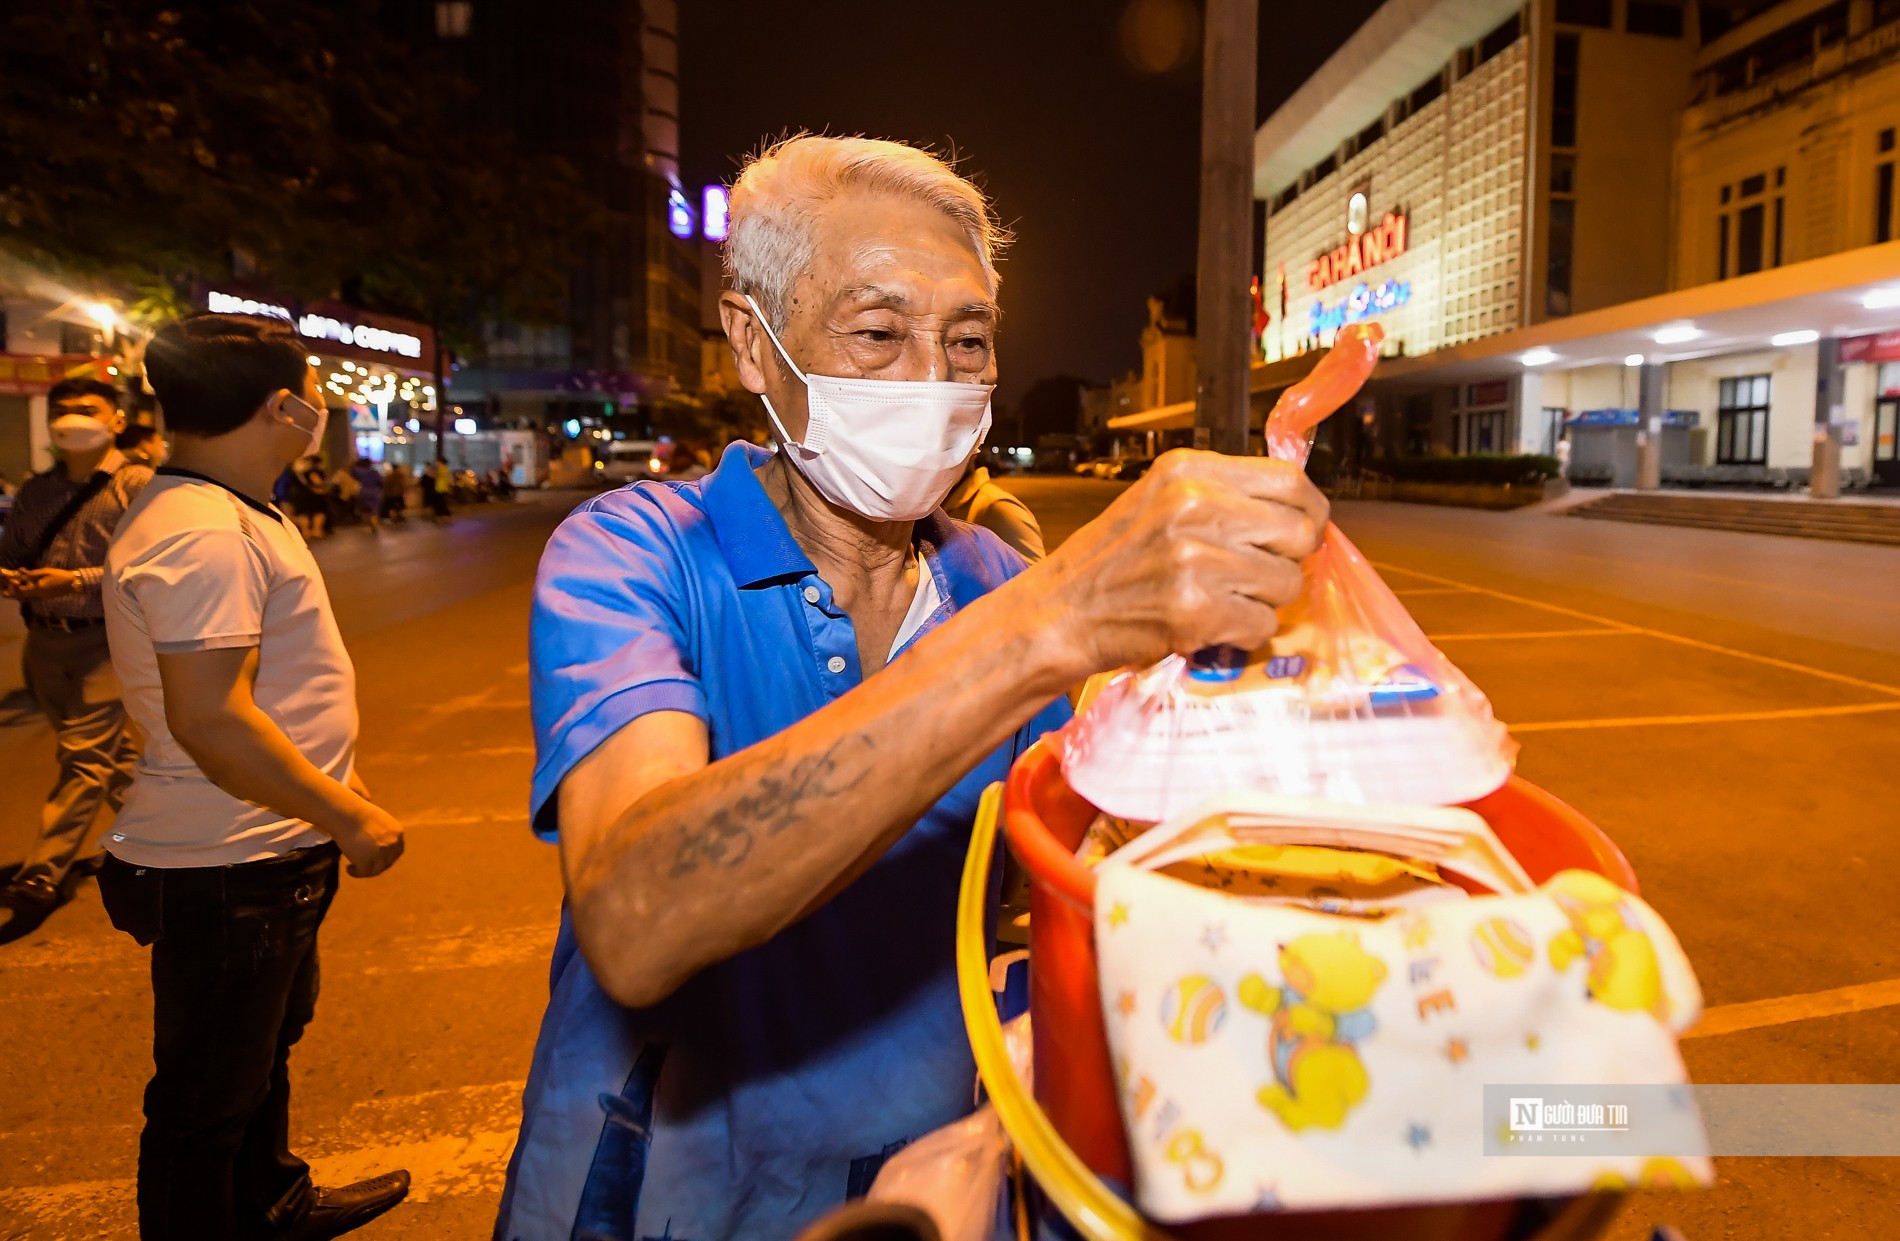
81	545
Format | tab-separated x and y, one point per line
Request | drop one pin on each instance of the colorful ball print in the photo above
1192	1009
1503	947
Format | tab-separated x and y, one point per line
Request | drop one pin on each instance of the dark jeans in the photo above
234	982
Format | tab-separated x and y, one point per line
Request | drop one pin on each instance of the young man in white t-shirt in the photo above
225	856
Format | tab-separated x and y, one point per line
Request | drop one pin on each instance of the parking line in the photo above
1786	1009
1527	633
1787	664
1731	717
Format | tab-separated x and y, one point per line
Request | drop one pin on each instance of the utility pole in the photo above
441	391
1223	316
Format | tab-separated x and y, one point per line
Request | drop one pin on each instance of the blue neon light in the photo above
714	208
1362	303
679	215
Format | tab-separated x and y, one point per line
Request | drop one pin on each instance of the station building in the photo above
1664	231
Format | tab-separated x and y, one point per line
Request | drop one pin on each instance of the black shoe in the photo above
32	896
338	1211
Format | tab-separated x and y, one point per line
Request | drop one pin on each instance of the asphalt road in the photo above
1726	706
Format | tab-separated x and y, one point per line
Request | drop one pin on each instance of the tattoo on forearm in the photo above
780	799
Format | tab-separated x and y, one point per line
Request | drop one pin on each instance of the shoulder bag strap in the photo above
64	517
61	520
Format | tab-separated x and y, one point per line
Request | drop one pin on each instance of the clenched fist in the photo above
1198	553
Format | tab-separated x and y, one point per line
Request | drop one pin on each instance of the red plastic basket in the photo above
1045	821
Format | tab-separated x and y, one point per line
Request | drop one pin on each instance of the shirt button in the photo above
835	663
811	594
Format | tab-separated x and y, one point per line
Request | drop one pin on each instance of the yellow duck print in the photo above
1622	968
1317	1018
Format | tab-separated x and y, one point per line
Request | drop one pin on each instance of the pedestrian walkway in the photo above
1858	519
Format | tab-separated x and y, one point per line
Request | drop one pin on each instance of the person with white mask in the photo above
247	799
766	703
52	560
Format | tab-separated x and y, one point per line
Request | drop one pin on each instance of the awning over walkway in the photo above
1264	377
1829	295
1176	417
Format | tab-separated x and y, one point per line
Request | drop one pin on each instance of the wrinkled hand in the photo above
42	584
372	843
1198	553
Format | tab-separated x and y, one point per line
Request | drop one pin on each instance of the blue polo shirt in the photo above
773	1085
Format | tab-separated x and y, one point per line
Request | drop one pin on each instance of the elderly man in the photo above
766	703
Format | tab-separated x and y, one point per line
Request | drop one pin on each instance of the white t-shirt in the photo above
195	566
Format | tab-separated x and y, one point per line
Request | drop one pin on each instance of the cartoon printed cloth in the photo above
1272	1056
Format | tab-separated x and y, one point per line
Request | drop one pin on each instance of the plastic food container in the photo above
1074	1083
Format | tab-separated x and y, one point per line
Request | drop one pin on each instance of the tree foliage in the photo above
166	145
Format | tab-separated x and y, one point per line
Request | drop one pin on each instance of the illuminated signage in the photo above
227	304
679	214
1883	347
1323	320
1378	244
715	209
363	336
320	327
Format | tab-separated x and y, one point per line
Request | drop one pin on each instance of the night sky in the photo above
1091	159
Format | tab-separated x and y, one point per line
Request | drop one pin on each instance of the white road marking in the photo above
1728	717
1786	1009
1528	633
473	948
1664	635
461	818
465	948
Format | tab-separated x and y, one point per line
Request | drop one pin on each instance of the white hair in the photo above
776	198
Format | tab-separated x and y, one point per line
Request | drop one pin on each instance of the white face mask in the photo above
887	449
79	433
316	432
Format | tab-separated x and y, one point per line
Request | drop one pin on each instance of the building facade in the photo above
596	82
1633	221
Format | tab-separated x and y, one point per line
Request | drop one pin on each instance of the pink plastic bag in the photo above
1348	701
956	1174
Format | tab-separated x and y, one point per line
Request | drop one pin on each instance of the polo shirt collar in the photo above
753	537
759	547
